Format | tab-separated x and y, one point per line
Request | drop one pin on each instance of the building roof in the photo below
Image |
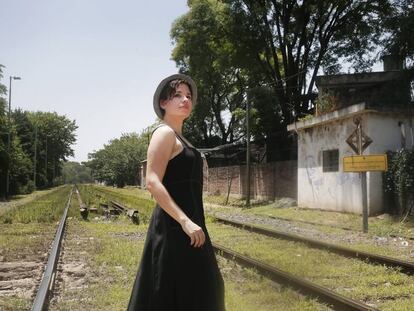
359	79
346	113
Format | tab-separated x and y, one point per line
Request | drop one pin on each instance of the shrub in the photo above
399	180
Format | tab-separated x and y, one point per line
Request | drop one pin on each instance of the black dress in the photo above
173	275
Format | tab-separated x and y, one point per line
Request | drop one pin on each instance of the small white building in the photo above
387	120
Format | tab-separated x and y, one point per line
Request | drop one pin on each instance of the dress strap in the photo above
182	140
157	127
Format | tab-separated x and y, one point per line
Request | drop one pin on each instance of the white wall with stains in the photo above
339	191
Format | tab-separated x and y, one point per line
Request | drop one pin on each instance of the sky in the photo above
97	62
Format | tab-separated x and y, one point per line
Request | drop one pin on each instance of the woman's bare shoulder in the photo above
163	134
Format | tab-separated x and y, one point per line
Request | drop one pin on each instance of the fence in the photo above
268	181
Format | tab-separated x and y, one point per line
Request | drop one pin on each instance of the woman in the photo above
178	269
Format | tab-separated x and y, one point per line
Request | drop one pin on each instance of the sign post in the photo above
363	185
359	141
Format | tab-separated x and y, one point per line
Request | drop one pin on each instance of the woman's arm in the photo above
159	152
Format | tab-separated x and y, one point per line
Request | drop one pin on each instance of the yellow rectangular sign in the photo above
365	163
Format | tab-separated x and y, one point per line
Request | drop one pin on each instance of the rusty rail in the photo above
405	266
323	294
82	206
314	223
131	213
48	279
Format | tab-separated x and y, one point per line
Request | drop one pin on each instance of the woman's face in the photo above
180	104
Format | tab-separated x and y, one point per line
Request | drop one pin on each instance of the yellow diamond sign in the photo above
365	163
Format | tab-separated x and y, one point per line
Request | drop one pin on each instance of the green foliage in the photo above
52	135
306	117
76	173
399	180
399	22
326	102
270	52
119	161
204	51
287	43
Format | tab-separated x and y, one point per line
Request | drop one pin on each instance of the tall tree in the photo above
399	24
203	50
119	161
13	161
289	42
269	52
54	136
76	173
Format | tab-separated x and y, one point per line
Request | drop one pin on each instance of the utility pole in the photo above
9	137
248	153
35	156
46	161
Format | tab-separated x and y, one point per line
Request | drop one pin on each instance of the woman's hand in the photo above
195	232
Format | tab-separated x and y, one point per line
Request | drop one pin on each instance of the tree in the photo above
399	24
76	173
203	51
289	42
269	52
54	136
13	161
119	161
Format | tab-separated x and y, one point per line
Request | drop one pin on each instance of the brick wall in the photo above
269	180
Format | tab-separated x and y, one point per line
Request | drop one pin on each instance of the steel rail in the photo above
46	285
81	204
323	294
404	266
314	223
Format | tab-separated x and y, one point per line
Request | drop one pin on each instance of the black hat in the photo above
163	83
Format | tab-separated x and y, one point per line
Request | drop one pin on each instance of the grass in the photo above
113	253
14	304
378	226
20	240
20	199
353	278
27	233
248	291
47	208
93	195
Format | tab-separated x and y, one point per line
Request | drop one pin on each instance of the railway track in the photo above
318	224
47	282
314	223
339	302
404	266
307	288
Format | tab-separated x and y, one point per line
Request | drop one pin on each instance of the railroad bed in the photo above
375	285
399	285
385	244
100	256
25	247
96	282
